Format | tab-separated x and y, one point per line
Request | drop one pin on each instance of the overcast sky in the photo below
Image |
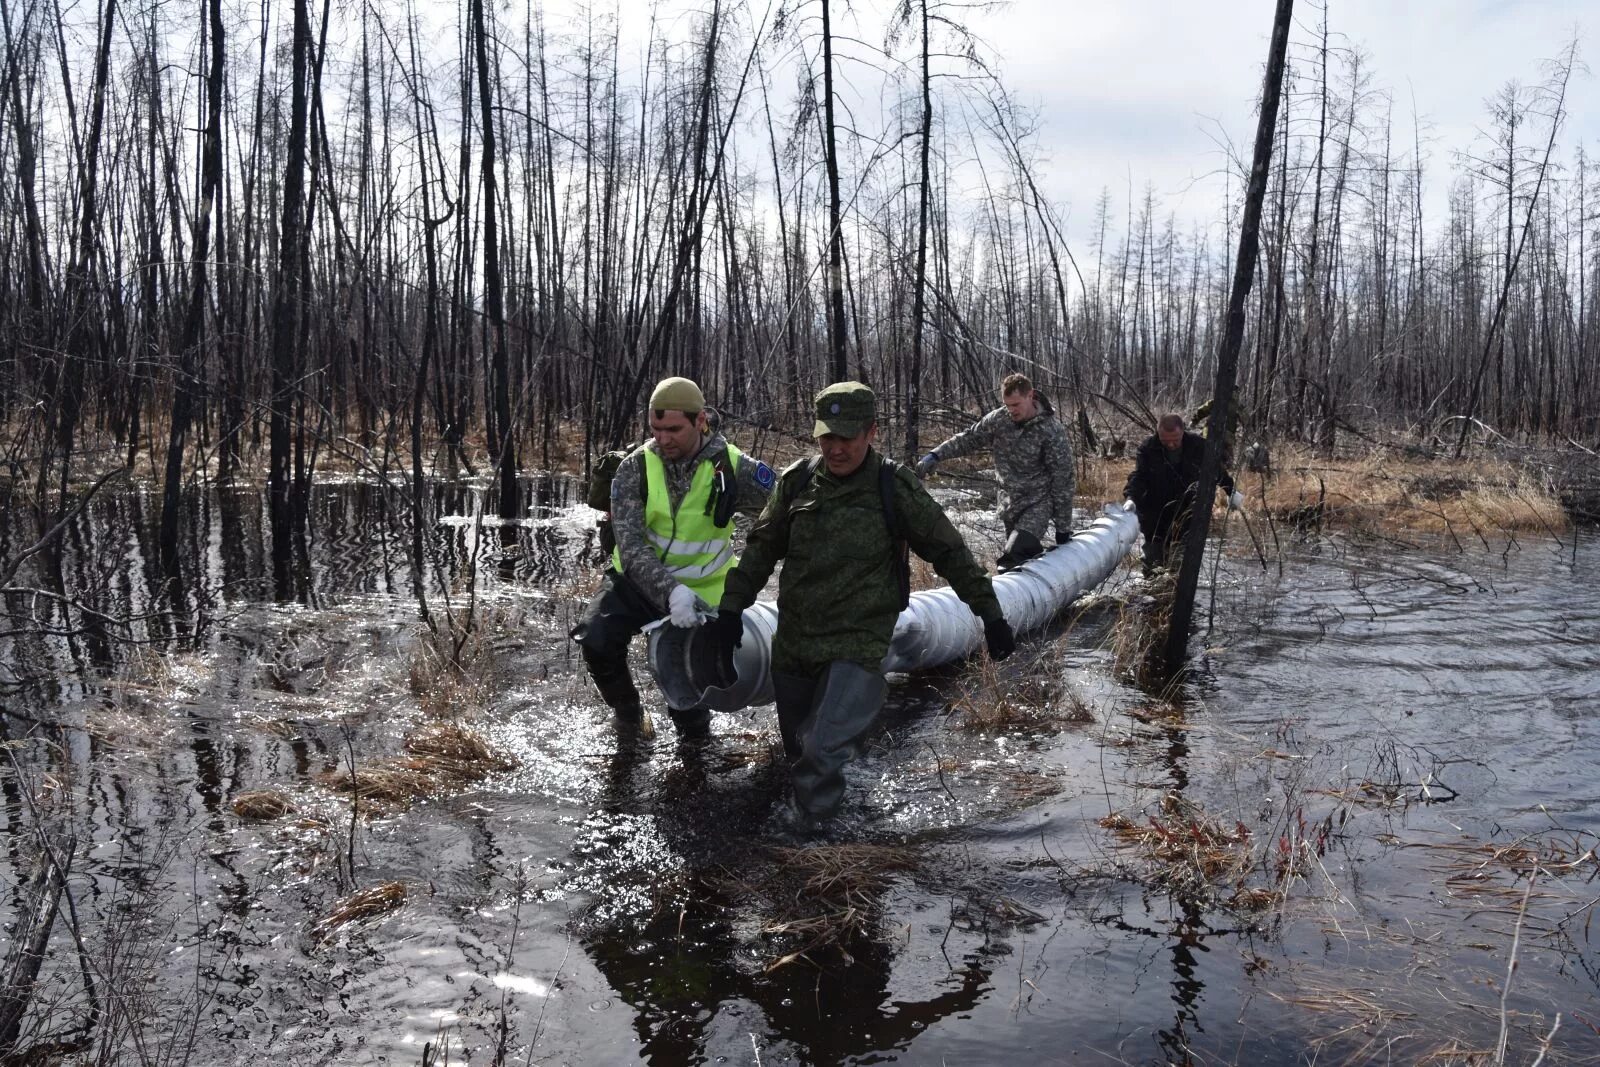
1138	87
1137	91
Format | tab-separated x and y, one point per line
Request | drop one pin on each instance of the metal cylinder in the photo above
936	627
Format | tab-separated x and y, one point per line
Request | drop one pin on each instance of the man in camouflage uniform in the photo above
1033	457
672	554
1166	473
839	593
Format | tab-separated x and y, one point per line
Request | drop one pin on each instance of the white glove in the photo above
683	606
1236	500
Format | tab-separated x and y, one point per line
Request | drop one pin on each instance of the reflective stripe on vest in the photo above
697	552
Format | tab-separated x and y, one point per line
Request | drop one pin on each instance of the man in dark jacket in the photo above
840	590
1165	475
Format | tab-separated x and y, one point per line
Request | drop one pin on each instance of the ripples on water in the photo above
1435	710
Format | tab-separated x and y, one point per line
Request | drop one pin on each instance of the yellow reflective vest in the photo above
693	548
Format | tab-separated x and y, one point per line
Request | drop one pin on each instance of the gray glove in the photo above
926	464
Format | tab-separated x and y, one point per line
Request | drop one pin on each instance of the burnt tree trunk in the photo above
1227	359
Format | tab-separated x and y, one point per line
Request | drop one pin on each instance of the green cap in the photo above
845	409
677	394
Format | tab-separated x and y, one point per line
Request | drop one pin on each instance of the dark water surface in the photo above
1394	738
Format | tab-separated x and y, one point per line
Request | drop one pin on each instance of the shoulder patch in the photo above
765	475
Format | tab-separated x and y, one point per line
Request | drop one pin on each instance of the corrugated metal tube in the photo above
935	628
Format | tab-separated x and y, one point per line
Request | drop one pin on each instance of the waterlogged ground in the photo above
1328	848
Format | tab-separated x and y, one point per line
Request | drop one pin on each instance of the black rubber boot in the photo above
847	701
614	684
794	695
1020	547
692	725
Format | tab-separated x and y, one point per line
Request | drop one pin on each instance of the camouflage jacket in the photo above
838	595
639	560
1034	461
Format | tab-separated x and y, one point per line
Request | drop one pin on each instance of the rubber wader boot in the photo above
693	724
616	688
794	695
848	698
1020	547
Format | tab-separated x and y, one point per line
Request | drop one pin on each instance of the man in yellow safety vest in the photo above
672	504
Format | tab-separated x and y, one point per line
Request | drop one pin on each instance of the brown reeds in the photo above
262	805
444	756
1195	855
445	671
363	904
988	701
824	895
844	873
1138	637
1384	490
454	750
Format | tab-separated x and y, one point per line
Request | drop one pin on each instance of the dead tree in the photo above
1227	359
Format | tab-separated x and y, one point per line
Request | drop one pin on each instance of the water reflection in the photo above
1488	669
103	589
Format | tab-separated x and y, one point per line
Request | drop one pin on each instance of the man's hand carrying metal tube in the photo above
683	607
726	633
998	637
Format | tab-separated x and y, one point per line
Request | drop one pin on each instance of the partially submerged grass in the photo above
457	751
824	896
1138	637
448	670
444	756
992	700
455	664
262	805
363	904
1203	858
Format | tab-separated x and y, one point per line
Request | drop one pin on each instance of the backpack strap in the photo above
805	479
887	471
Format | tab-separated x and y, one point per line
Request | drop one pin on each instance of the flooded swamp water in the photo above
1375	797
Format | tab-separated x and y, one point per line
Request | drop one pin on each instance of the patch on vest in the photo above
765	475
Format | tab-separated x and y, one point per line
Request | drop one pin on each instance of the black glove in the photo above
1063	536
926	464
726	632
997	635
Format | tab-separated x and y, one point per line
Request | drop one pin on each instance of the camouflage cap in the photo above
845	409
677	394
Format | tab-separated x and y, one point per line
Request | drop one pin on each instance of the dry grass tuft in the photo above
1028	786
362	904
388	783
454	665
262	805
455	751
1387	492
1138	637
1384	490
444	756
1101	481
447	673
1197	856
845	873
825	896
986	702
